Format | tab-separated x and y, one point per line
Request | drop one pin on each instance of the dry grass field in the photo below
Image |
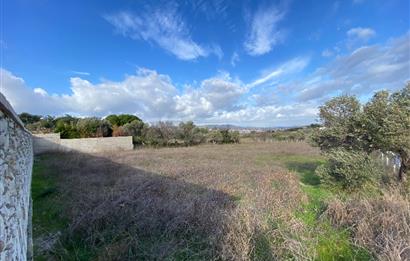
250	201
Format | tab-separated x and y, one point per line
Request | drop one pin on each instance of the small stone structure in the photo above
16	163
52	142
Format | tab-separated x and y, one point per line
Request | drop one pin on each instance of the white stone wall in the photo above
16	162
52	143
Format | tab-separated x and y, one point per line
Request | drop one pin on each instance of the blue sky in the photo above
251	63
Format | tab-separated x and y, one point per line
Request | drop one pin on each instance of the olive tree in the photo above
340	117
382	124
387	125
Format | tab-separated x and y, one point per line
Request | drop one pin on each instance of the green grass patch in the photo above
46	200
49	223
303	165
331	243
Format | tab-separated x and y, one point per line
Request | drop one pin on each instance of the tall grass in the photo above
211	202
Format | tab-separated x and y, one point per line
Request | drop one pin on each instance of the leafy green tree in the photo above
387	125
28	118
383	124
93	127
191	134
47	122
339	116
87	127
135	129
122	119
66	126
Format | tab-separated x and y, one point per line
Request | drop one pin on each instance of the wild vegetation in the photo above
160	134
278	200
355	131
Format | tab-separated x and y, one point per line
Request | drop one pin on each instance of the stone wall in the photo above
52	143
16	162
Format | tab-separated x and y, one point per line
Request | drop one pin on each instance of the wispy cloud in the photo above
364	70
360	33
290	67
164	27
234	59
80	73
327	53
264	32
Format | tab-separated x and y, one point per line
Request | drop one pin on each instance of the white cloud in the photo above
327	53
215	94
290	67
234	59
274	99
40	91
264	32
363	71
270	115
147	93
164	27
80	73
361	34
153	96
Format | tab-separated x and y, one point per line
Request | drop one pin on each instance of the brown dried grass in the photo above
380	224
204	202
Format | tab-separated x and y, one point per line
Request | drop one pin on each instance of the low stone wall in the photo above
16	163
52	142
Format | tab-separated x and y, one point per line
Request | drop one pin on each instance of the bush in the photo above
223	137
66	125
350	170
191	134
93	127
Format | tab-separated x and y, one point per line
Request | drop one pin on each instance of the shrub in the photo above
190	134
223	137
66	125
348	169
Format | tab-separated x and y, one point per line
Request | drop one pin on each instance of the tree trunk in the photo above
404	166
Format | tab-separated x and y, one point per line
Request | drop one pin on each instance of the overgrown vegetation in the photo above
287	134
158	134
238	202
382	124
377	218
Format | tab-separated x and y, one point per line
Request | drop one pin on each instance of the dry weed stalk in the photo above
381	224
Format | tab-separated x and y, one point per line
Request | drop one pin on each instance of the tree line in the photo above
157	134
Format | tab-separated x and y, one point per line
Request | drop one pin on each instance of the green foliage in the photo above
348	169
122	119
289	135
28	118
93	127
160	134
387	123
134	129
66	126
223	136
190	134
383	124
340	117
